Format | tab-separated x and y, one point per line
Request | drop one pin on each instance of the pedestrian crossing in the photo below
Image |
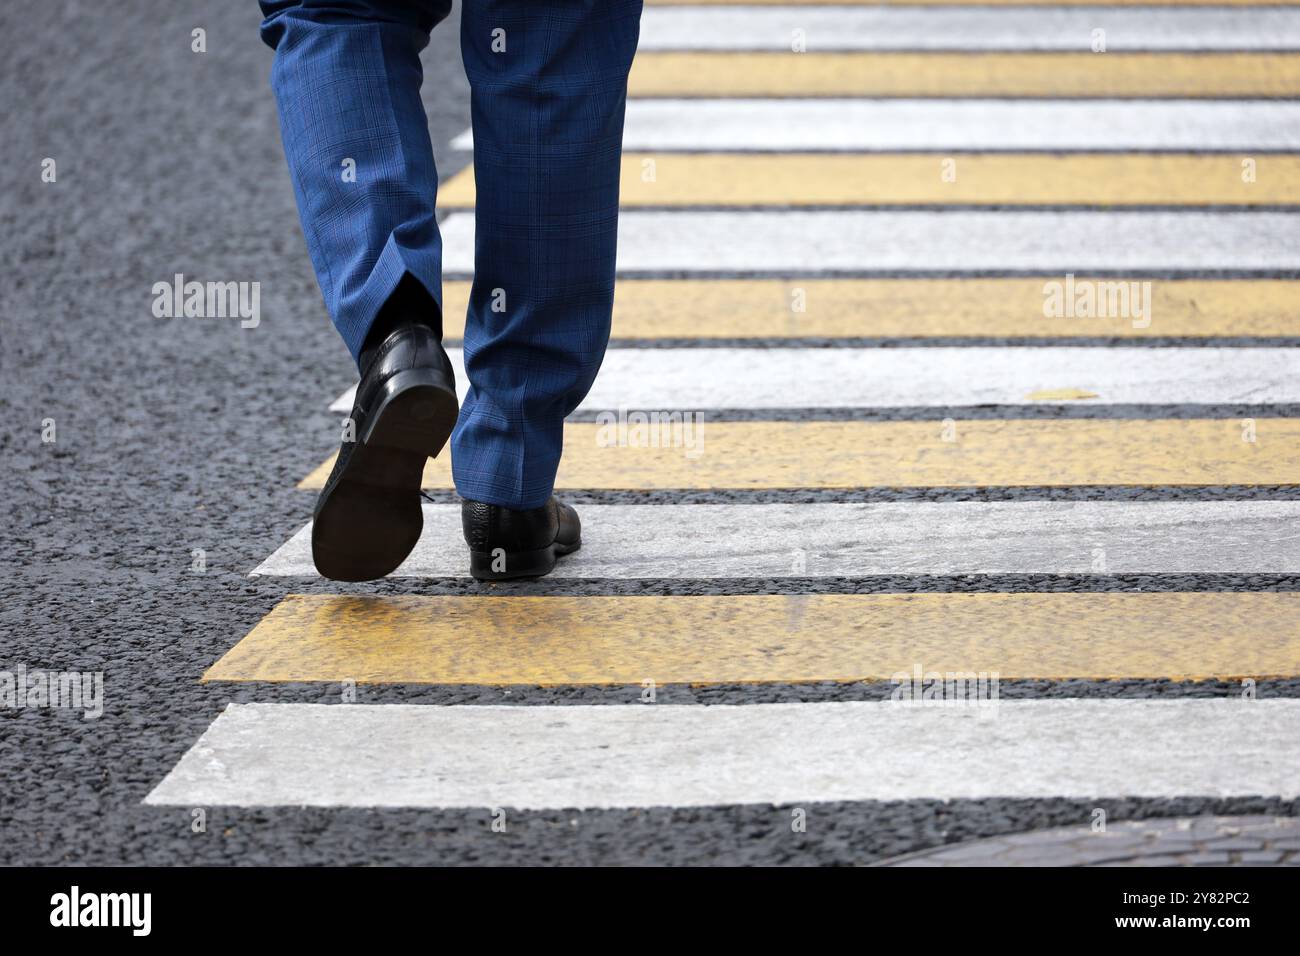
616	757
857	539
1056	74
766	638
999	125
904	179
903	309
966	453
836	27
958	4
870	350
935	377
854	242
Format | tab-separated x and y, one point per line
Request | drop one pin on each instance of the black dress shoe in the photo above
505	544
368	517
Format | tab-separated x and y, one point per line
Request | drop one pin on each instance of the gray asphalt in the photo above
176	435
1195	841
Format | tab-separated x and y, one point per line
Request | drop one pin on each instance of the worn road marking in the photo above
888	538
921	454
904	308
779	242
933	124
832	28
1053	74
785	638
976	3
695	379
541	758
812	179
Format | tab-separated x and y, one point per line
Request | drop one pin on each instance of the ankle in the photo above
410	304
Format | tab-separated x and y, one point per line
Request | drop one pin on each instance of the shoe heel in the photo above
505	565
417	411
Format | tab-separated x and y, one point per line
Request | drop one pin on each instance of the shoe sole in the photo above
369	518
518	564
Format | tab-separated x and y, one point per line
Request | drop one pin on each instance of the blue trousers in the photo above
548	81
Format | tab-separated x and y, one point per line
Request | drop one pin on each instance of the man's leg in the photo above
549	83
347	81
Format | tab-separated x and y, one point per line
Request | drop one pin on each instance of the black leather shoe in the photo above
505	544
368	517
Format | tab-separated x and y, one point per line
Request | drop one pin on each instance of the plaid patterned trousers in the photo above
548	81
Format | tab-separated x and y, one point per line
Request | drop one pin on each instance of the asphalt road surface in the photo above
1094	511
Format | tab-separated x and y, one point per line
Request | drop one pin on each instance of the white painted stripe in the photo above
833	28
690	379
535	758
697	379
343	403
861	540
781	242
903	124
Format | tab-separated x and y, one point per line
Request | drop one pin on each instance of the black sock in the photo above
409	304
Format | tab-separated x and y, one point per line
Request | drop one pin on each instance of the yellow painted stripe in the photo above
760	638
965	74
891	308
749	179
993	453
